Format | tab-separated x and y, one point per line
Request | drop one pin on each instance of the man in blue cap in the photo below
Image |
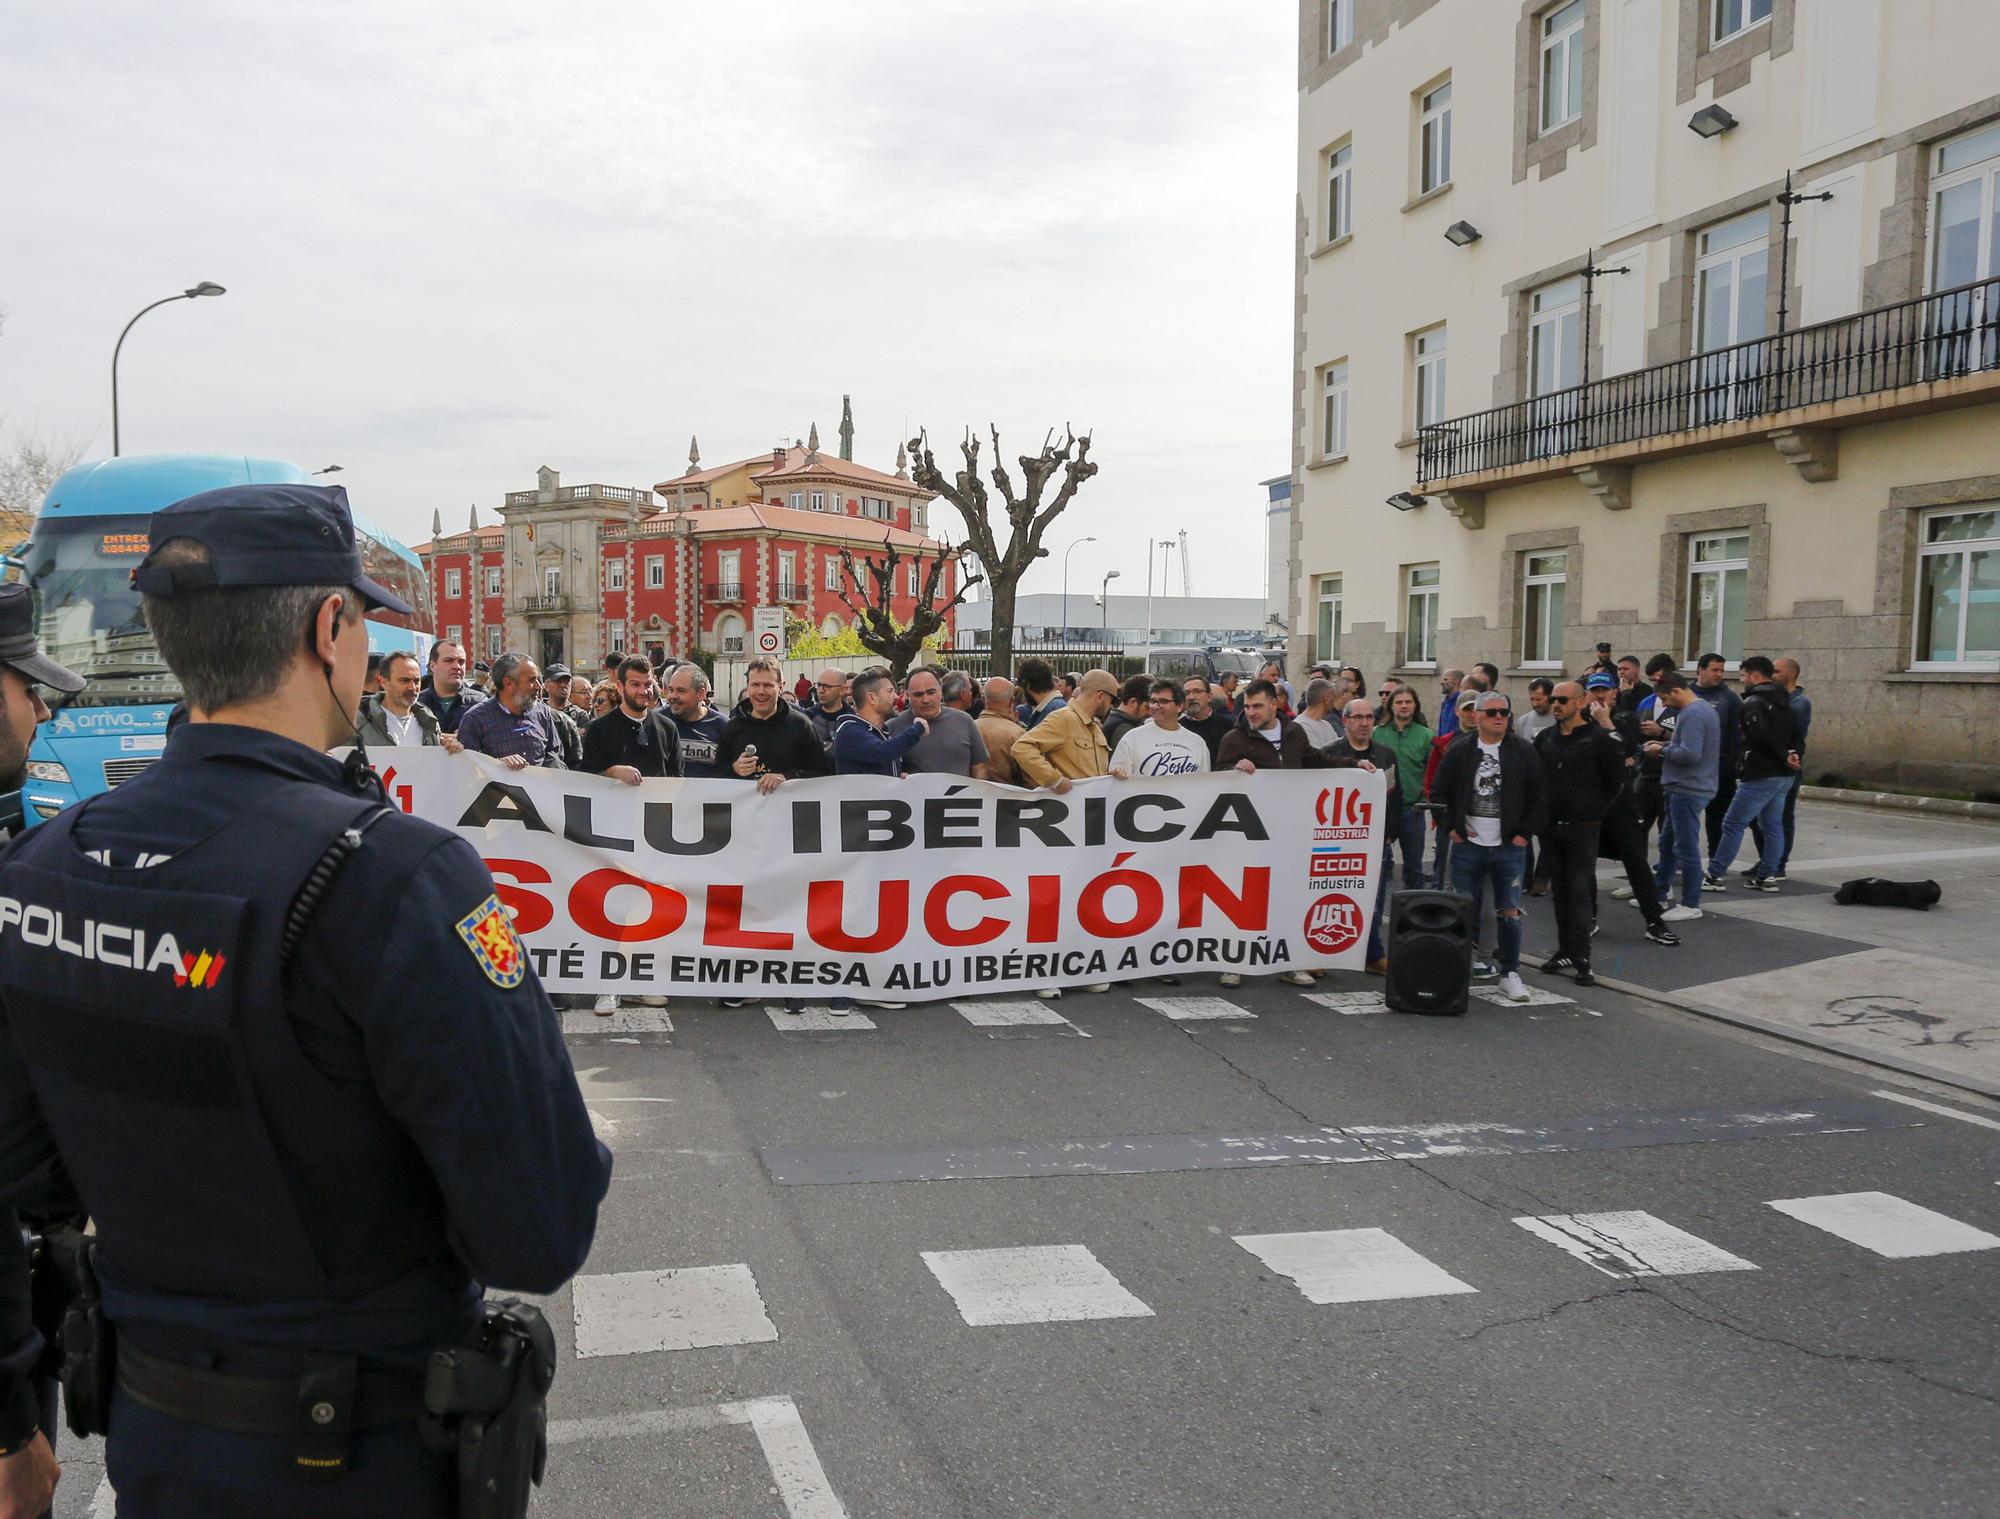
302	1168
28	1469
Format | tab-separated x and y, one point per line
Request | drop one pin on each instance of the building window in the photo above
1731	261
913	580
614	635
453	584
552	580
788	570
1339	24
1958	589
1327	646
493	581
1562	65
493	645
833	572
1718	583
1733	17
1420	619
1434	139
1544	584
730	633
1555	337
729	571
1333	411
1965	248
798	500
656	572
454	632
614	574
1339	192
1428	355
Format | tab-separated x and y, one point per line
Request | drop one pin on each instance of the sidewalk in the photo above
1916	991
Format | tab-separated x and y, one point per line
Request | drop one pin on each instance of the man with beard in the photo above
1201	716
28	1469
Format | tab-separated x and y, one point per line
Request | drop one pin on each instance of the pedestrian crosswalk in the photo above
997	1286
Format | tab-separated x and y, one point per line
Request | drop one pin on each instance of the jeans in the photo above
1718	805
1410	836
1764	803
1569	854
1791	823
1472	867
1376	948
1680	845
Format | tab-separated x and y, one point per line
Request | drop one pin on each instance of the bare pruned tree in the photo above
1027	518
874	622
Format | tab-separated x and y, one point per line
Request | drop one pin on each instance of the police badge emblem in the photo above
489	933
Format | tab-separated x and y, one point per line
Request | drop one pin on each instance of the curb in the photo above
1795	1036
1895	801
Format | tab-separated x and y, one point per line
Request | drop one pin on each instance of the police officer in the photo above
28	1469
302	1165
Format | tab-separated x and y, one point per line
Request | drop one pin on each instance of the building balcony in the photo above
792	590
722	590
529	606
1795	390
567	495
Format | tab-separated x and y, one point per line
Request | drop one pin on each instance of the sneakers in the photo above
652	1002
1557	964
795	1007
1230	978
605	1005
1760	883
1513	988
840	1007
1048	993
1168	980
1714	883
891	1006
1100	987
1297	978
1659	933
1622	894
1484	970
1680	915
734	1001
1777	879
1584	977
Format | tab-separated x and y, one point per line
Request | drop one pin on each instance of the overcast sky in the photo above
462	241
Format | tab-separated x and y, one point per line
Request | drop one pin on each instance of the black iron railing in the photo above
723	590
791	590
1938	337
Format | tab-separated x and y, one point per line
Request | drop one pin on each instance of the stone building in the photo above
1672	323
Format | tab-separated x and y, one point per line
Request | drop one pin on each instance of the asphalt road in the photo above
769	1327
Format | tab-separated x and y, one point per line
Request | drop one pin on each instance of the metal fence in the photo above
1061	657
1936	337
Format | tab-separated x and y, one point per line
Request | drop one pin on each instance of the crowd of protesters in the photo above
1494	804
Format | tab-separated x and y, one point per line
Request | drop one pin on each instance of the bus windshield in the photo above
87	612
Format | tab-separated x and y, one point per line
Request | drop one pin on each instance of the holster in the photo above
488	1403
69	1311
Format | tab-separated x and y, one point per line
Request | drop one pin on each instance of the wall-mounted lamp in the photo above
1710	121
1460	234
1407	501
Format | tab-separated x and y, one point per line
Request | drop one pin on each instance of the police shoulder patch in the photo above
489	933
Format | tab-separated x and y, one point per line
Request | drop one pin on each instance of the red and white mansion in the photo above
572	573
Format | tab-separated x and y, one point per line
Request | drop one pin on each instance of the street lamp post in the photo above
1104	601
206	287
1066	553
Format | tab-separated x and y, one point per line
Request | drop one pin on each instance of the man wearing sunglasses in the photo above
1490	787
1584	767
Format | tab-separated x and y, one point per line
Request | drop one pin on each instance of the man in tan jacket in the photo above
998	727
1068	745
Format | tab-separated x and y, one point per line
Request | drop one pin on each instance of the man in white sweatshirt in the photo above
1160	747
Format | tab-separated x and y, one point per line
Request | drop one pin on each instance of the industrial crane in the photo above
1187	574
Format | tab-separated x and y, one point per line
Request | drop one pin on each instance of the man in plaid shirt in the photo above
513	727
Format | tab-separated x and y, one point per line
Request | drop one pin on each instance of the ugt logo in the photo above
1334	923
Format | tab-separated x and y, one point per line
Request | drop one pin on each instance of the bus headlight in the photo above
48	770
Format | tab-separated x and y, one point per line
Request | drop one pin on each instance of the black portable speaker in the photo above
1430	952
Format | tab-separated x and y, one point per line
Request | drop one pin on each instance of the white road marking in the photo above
1913	857
1632	1244
685	1309
1004	1013
1182	1009
1352	1265
1537	997
816	1019
781	1434
1032	1284
1348	1002
627	1020
1932	1107
1886	1224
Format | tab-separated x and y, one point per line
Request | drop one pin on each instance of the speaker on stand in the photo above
1430	952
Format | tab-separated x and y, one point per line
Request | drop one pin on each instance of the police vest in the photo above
148	1007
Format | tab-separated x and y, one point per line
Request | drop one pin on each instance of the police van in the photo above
87	539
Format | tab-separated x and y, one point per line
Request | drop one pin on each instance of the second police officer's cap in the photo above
262	535
18	648
1599	682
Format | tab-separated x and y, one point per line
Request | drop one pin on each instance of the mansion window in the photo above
819	501
656	572
833	572
1718	585
493	581
1434	139
1734	17
453	584
1339	24
1965	250
1420	622
614	574
1958	589
1328	644
1339	192
1427	352
1562	65
1544	587
1333	411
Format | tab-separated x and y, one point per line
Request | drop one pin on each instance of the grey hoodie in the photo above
1692	761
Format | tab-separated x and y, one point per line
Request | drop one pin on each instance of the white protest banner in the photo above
910	890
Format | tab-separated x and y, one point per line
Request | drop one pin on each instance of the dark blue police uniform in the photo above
292	1162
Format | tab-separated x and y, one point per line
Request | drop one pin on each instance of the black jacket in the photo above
1342	755
1523	804
786	741
651	746
1770	732
1582	772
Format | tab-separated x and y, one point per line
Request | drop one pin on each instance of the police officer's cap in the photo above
17	642
263	535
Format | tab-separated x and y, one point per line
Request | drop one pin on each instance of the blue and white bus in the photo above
87	538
